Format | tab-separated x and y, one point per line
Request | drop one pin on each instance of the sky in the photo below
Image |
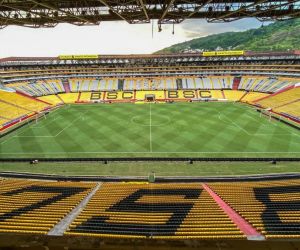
107	38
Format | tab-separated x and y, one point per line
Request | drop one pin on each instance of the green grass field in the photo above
153	130
145	168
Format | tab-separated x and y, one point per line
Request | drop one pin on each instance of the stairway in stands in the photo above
236	83
66	85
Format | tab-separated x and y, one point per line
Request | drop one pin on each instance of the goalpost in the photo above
40	115
267	112
43	114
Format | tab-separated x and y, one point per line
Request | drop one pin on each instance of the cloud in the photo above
199	28
107	38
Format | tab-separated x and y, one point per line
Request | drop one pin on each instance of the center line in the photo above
150	126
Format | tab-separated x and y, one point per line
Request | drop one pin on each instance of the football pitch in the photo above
153	130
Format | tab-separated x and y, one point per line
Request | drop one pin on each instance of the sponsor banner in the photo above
224	53
65	57
209	53
77	57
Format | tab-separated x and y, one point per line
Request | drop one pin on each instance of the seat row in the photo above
35	207
248	83
272	207
153	210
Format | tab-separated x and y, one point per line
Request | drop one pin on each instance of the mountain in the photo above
278	36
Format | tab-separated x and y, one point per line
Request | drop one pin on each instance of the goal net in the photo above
267	113
41	115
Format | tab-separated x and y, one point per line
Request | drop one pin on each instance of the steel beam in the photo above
47	13
84	20
171	2
141	2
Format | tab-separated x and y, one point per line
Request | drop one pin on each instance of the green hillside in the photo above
278	36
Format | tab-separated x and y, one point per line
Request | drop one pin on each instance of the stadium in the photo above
149	151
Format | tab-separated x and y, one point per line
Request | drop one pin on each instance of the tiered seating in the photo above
23	87
53	99
280	99
263	84
216	94
51	86
221	82
271	206
111	84
69	97
22	101
54	86
39	88
129	84
35	207
14	107
85	97
252	96
140	210
9	112
233	95
290	109
93	84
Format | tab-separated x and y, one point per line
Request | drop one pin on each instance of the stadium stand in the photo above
39	88
263	84
53	99
10	112
144	210
252	96
272	207
280	98
141	210
14	107
85	97
233	95
69	97
292	109
54	86
217	94
34	207
21	101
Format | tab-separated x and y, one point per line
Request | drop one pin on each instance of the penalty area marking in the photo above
254	134
51	136
48	122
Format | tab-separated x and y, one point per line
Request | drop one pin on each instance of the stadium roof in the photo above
48	13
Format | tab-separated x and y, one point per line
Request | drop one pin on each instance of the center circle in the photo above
153	120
